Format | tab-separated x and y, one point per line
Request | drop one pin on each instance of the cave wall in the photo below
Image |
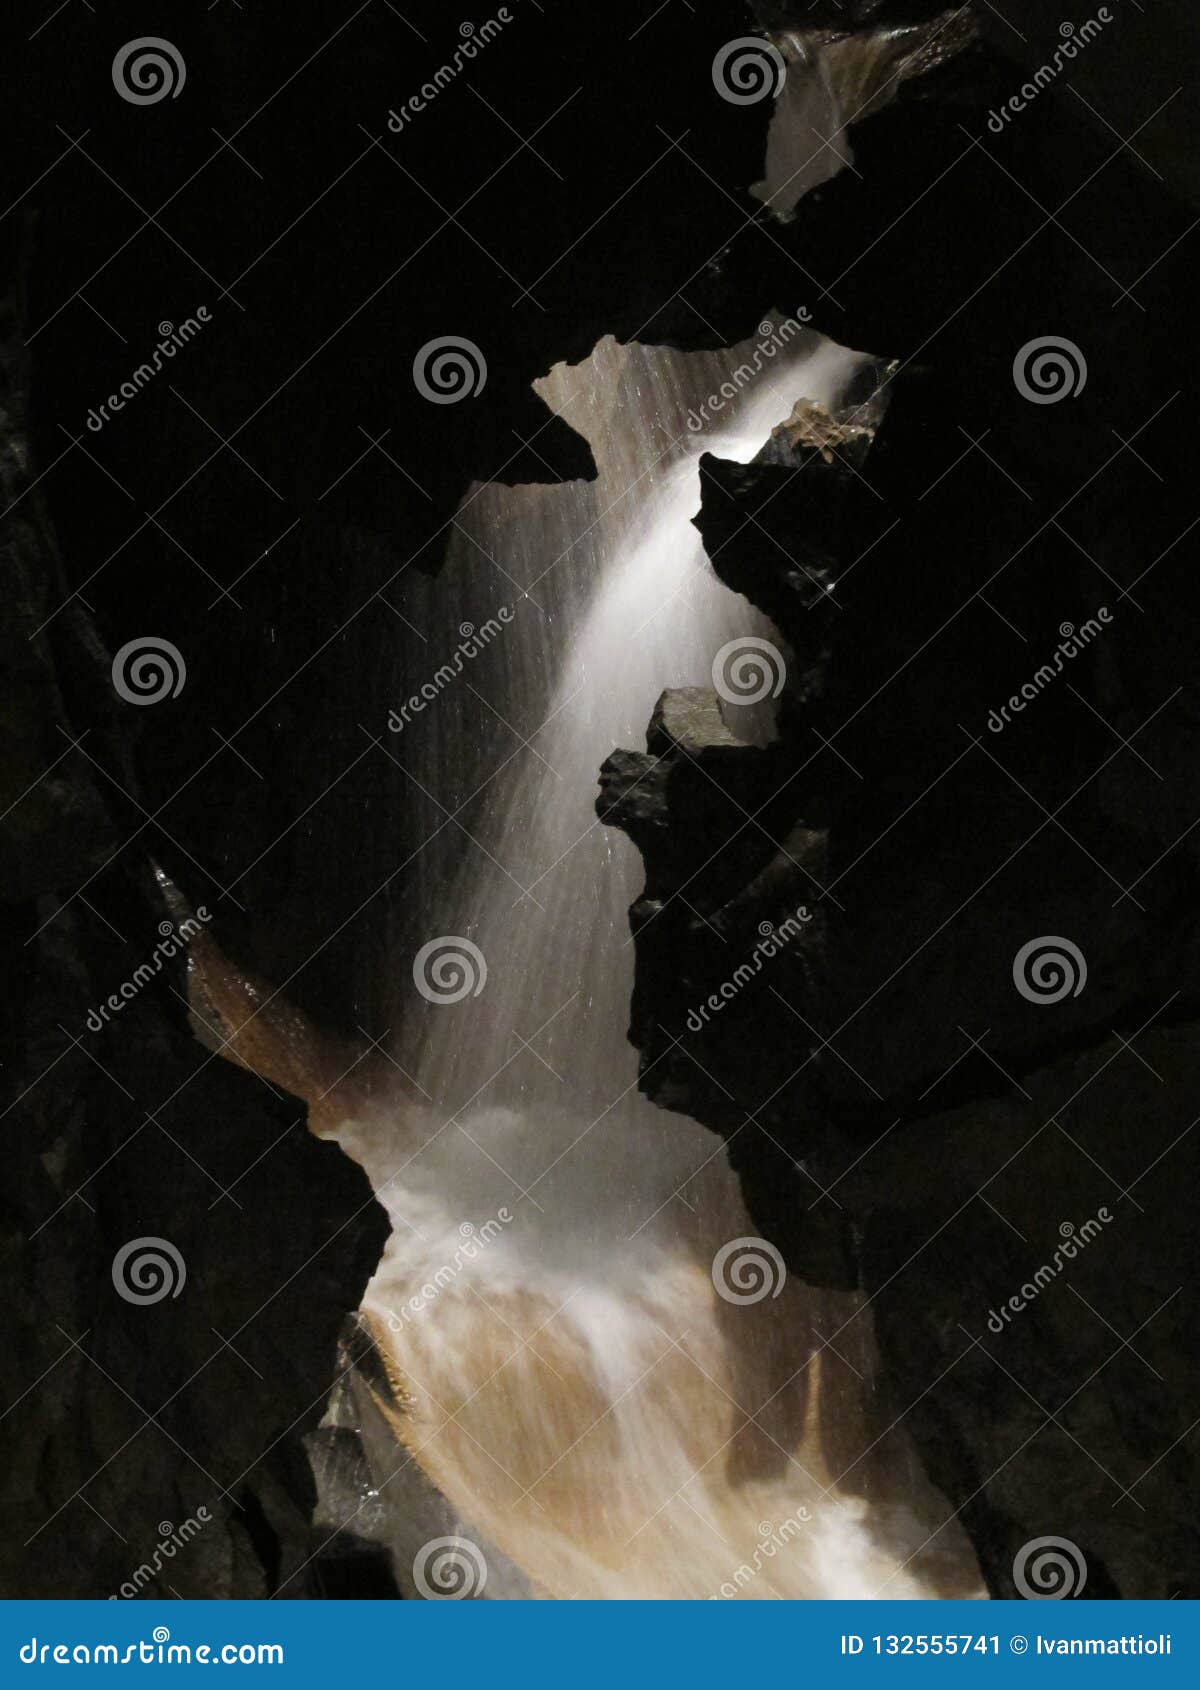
179	1252
911	1109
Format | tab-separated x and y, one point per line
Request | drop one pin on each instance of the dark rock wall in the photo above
127	1423
904	1117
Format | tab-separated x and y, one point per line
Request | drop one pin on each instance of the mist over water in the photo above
562	1367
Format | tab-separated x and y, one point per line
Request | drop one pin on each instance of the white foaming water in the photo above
563	1369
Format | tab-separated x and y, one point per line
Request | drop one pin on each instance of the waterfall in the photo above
566	1396
592	1413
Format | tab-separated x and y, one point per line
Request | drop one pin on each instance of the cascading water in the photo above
561	1365
836	80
